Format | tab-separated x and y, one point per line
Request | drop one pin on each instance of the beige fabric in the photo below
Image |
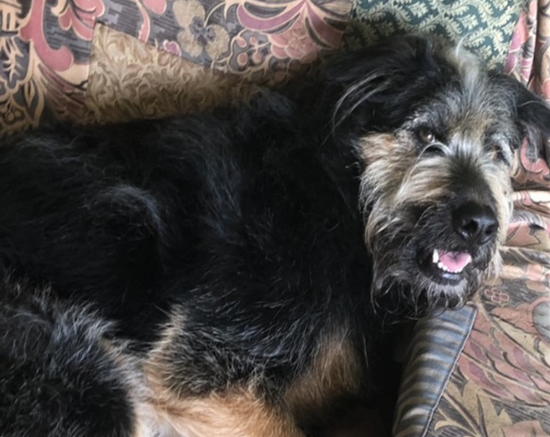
130	79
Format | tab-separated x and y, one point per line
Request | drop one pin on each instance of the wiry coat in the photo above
209	273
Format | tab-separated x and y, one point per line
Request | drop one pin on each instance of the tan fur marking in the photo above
395	177
501	187
385	148
235	413
335	375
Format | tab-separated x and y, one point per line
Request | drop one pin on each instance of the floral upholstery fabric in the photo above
529	56
129	79
46	47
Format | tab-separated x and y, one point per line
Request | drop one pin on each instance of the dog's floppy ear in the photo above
376	86
531	112
534	118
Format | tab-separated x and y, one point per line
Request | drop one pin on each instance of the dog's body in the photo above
229	248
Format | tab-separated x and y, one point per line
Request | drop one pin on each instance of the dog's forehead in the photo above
469	102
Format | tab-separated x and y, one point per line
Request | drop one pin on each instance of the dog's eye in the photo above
430	142
434	148
426	135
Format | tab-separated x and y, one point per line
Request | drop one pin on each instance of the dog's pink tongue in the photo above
455	261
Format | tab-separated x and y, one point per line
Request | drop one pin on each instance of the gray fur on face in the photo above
455	147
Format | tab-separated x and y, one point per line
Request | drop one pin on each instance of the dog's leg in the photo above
235	413
169	405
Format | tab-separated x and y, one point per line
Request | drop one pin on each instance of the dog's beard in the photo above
408	280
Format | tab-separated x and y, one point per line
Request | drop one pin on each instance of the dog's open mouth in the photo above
451	262
446	266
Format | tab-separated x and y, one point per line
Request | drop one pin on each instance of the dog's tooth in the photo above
435	257
445	268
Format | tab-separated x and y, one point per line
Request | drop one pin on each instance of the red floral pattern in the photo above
46	54
529	57
304	22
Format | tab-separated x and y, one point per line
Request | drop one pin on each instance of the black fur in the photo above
56	378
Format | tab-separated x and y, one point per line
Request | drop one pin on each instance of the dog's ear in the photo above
532	114
376	86
534	118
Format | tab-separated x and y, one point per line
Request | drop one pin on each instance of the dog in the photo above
235	273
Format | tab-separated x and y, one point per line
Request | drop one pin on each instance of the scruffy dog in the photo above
230	274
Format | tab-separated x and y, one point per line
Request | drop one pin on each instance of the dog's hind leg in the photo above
191	395
238	412
60	375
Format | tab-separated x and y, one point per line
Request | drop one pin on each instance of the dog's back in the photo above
116	216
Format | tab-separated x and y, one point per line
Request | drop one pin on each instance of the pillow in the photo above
484	26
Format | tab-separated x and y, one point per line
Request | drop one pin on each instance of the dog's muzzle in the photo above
474	230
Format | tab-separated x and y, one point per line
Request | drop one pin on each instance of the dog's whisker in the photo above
358	89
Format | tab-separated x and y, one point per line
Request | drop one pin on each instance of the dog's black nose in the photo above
475	223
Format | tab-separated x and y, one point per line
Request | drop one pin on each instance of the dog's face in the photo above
437	139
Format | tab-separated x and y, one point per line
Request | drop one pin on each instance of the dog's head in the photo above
436	133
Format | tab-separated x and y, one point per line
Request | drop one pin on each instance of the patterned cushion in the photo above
45	50
484	26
